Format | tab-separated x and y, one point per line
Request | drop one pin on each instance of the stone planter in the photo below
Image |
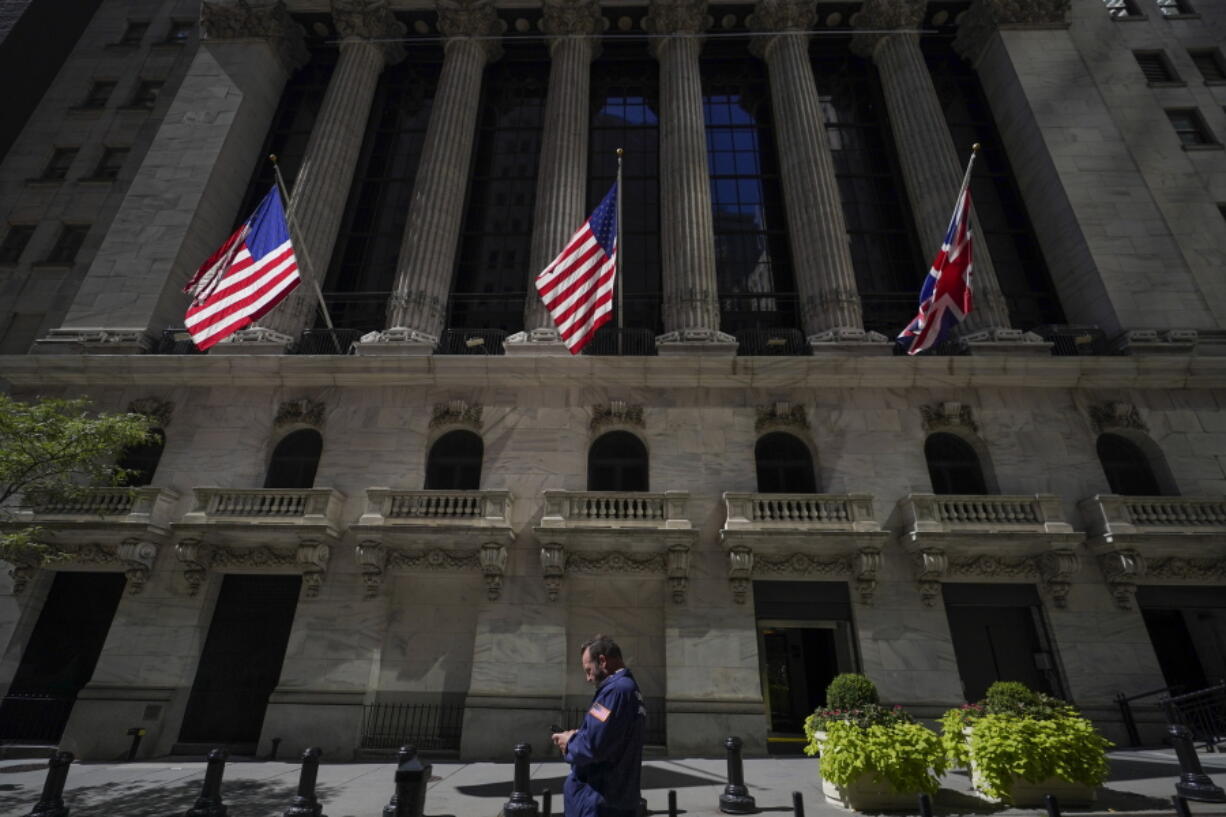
1023	793
864	793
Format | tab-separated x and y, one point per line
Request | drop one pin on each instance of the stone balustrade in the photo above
1037	513
614	509
385	506
748	511
144	505
1111	515
281	506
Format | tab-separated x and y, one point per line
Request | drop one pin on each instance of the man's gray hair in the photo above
599	645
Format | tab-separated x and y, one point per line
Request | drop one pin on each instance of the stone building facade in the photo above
402	528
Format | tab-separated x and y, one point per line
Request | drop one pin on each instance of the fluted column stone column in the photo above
417	309
321	189
932	166
687	234
562	170
817	229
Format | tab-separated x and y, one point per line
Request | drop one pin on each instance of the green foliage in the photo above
905	755
864	717
850	691
1009	696
56	448
953	733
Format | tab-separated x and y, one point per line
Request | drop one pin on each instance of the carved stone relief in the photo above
304	410
948	415
616	413
1116	415
782	415
457	412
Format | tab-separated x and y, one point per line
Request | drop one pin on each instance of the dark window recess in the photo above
68	244
60	656
889	260
1209	62
15	242
784	465
625	102
953	465
1189	126
142	460
1221	208
363	267
1127	468
1003	222
753	263
99	94
295	460
61	160
180	31
617	461
1175	648
454	463
146	94
241	661
1174	8
110	164
493	267
134	33
1122	8
1155	66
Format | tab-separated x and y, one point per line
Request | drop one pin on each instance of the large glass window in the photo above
625	83
492	274
363	268
454	463
752	259
953	465
295	460
889	265
617	461
785	465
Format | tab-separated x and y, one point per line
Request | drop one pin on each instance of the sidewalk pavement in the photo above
1142	782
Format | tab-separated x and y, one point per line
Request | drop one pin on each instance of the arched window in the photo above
1127	468
454	463
785	465
953	465
617	461
294	460
142	460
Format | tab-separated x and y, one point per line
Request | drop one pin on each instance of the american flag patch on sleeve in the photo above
599	712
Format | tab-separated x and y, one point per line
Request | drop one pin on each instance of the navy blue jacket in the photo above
606	754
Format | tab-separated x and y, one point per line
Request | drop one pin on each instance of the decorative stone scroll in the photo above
311	557
138	557
457	412
1122	569
674	564
135	555
678	571
1116	415
303	410
553	566
740	569
616	413
160	411
493	567
781	415
867	566
931	565
1057	567
948	415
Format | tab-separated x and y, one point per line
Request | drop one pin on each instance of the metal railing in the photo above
34	718
326	342
629	342
471	342
425	726
360	311
1203	712
1124	702
771	342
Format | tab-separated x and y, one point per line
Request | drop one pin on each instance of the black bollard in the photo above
1053	805
276	744
672	803
209	804
546	803
798	804
305	803
1181	806
736	799
1193	783
412	777
643	810
51	804
136	733
521	803
925	805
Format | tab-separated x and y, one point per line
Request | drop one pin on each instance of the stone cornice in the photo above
986	17
46	372
241	20
879	16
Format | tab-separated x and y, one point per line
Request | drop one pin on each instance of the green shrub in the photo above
1009	696
905	755
850	691
1004	748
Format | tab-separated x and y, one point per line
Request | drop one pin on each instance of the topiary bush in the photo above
850	691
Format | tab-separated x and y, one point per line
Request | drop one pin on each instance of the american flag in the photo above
250	274
577	286
945	298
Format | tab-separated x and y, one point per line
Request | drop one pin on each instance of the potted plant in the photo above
872	756
1020	745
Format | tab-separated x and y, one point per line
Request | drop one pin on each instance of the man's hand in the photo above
561	739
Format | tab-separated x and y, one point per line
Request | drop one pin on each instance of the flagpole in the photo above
300	250
618	267
966	180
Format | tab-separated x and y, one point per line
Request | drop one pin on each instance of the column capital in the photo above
470	19
773	17
370	20
879	19
227	20
675	17
563	18
986	17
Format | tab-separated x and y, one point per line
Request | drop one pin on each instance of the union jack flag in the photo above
945	298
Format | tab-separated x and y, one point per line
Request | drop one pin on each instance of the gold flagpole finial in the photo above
975	148
620	152
272	157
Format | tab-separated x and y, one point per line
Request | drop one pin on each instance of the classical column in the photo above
417	307
562	171
817	230
687	235
321	189
932	165
204	151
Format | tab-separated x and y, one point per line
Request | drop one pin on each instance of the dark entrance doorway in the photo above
241	661
999	635
804	640
1187	626
61	655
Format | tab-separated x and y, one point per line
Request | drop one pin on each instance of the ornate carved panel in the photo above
616	413
781	415
948	415
303	410
1116	415
457	412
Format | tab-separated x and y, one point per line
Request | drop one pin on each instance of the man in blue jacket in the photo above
605	753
